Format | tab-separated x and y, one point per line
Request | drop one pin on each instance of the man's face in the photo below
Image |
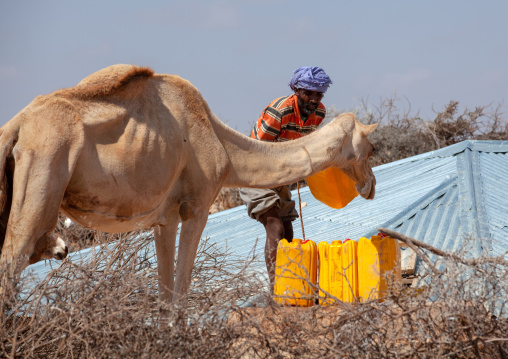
308	100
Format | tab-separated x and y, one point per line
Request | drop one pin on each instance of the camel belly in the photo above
114	209
111	223
118	198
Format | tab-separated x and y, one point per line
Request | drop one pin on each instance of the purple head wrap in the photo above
310	78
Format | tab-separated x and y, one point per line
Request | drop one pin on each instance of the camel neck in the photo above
264	164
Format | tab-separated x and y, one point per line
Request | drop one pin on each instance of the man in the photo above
286	118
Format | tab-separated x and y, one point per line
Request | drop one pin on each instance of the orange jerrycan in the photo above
378	266
332	187
295	272
349	254
330	271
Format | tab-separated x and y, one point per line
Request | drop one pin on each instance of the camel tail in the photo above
8	139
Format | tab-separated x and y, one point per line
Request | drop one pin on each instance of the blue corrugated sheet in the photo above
441	197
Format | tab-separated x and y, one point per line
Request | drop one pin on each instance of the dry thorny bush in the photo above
403	134
108	307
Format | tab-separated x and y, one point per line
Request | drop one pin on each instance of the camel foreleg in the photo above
190	235
165	239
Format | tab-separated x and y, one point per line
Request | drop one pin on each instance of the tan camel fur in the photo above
127	149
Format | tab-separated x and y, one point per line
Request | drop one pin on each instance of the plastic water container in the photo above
295	273
338	271
378	266
324	271
349	254
330	271
332	187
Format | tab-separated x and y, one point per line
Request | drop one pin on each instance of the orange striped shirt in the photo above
281	121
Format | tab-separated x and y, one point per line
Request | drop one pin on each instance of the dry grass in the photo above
108	307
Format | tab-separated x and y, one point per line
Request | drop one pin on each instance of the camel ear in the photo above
368	129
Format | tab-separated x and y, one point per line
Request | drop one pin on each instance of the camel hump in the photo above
108	80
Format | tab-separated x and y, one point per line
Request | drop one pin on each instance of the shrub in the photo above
108	307
402	134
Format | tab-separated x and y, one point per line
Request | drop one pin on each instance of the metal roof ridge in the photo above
452	150
421	202
471	202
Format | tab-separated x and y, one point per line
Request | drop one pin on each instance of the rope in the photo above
300	206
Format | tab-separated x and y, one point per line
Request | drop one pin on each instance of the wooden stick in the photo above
411	242
300	205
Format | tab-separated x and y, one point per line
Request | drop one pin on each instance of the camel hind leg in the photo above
45	144
5	202
38	186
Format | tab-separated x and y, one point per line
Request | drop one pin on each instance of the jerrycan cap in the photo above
305	241
347	239
382	235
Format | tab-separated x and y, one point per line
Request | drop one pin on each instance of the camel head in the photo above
356	153
49	246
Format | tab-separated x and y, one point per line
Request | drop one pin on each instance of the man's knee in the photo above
274	228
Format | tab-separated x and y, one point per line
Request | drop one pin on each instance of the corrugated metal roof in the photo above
440	197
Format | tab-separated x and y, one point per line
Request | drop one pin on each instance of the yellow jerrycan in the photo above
330	271
338	271
295	272
349	254
378	266
332	187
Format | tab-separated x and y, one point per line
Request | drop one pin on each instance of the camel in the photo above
129	149
48	246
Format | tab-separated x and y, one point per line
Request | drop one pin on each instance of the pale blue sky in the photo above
241	54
